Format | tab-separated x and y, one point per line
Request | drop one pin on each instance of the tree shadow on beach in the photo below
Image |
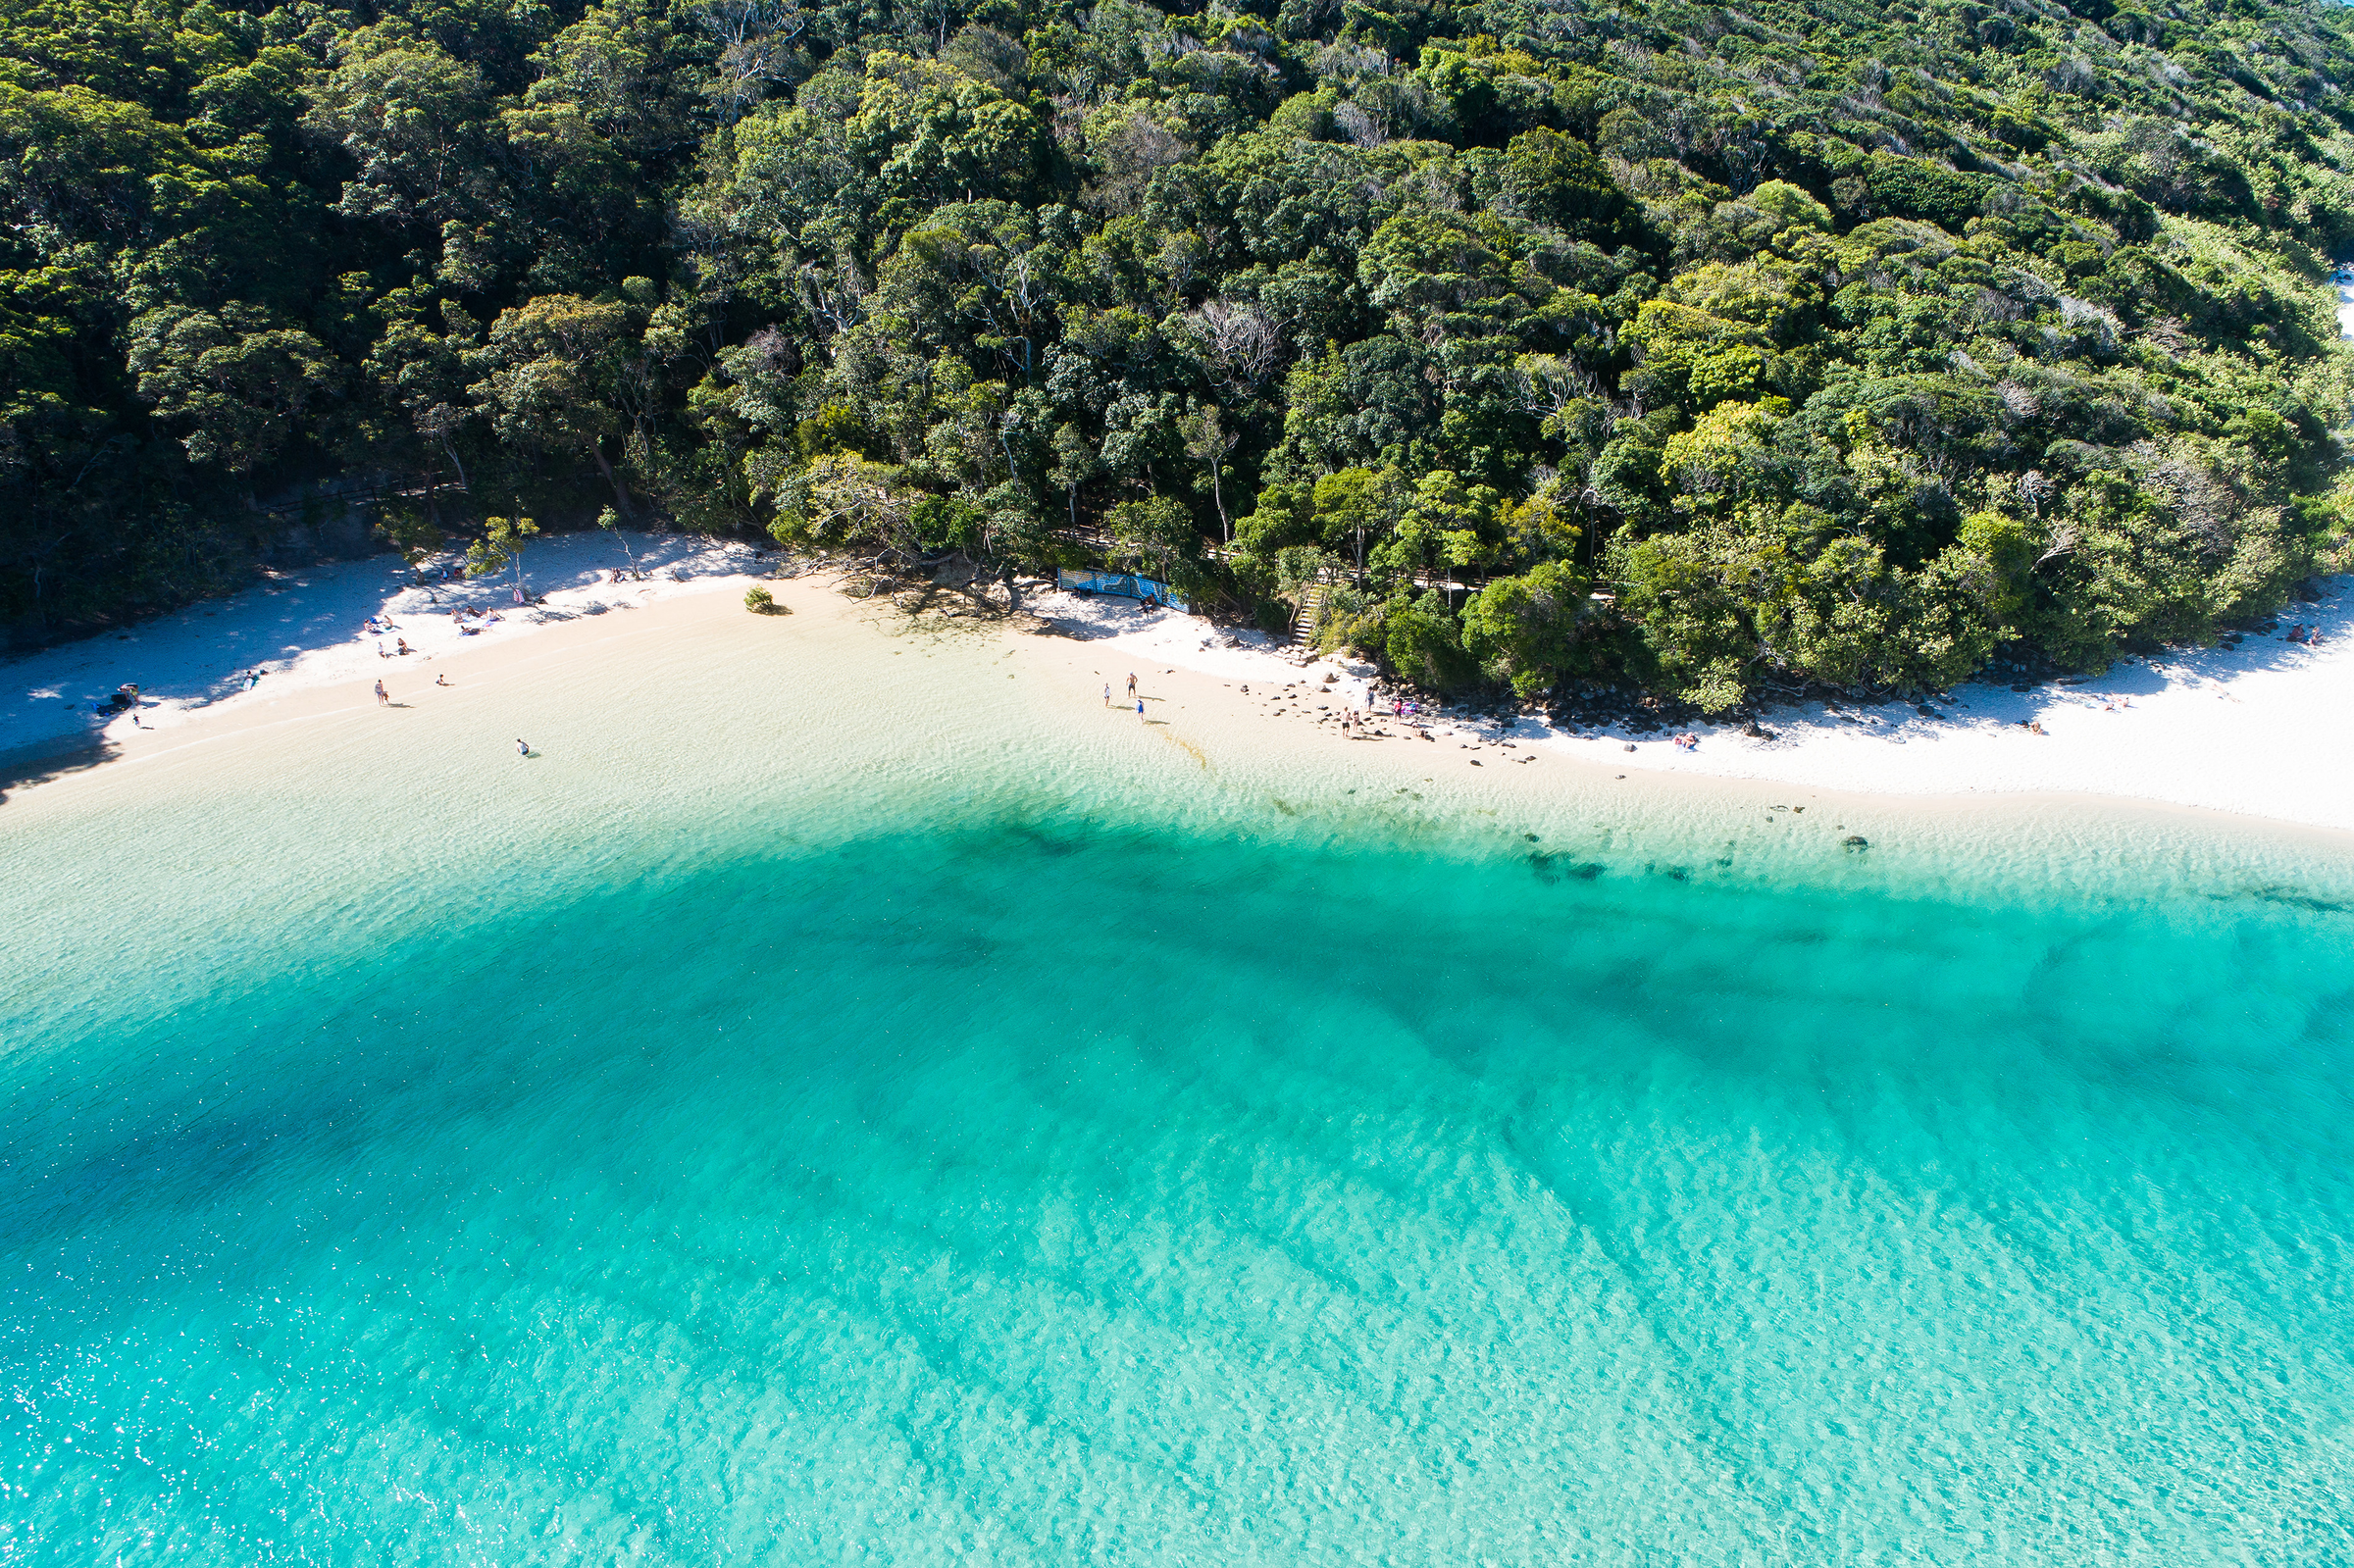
20	769
936	611
202	654
1093	618
1992	700
2267	647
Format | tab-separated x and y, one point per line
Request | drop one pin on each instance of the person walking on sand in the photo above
1132	682
1140	707
383	699
1107	693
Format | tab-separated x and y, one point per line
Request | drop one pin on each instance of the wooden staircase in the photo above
1311	606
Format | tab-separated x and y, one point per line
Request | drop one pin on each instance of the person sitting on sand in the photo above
404	646
440	679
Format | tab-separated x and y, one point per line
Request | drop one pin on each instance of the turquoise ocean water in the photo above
1093	1186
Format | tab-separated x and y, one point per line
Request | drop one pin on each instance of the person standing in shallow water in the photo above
523	747
1132	682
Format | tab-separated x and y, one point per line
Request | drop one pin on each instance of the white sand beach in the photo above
2261	731
2258	730
308	629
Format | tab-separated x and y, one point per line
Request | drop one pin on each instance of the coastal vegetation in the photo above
1713	352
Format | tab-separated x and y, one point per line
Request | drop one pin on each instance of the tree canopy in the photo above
1715	351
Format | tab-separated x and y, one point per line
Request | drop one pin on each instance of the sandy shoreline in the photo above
305	631
2256	732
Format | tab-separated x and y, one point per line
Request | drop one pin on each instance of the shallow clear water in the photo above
1044	1186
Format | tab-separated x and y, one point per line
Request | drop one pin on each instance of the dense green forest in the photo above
1716	350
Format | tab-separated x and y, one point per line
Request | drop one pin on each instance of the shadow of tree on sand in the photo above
40	764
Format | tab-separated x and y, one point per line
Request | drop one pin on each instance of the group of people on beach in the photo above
125	699
1687	742
377	627
1132	697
